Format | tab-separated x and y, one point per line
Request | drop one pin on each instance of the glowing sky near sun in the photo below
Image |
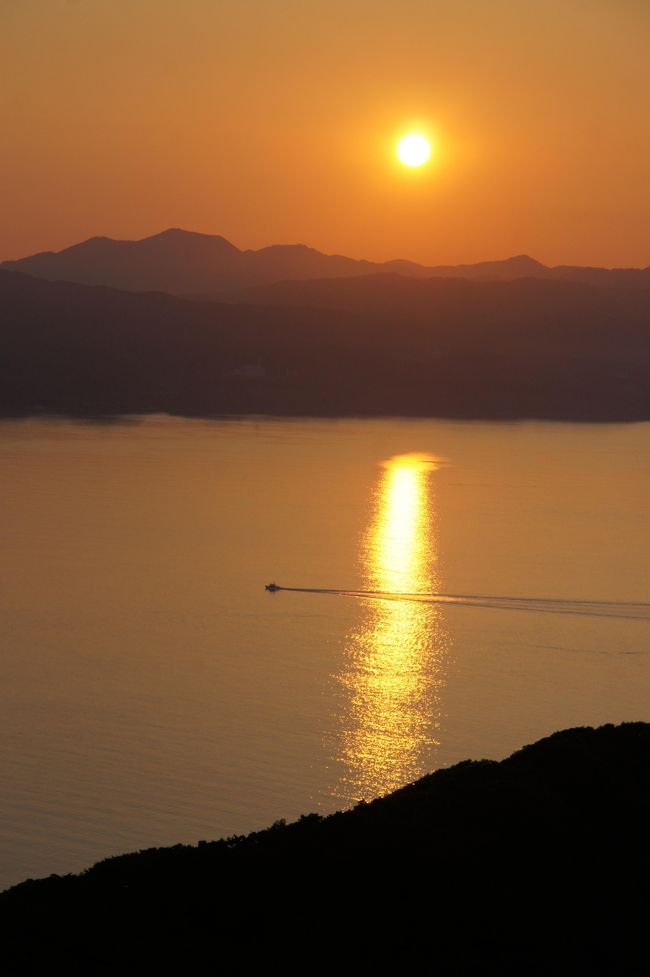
277	121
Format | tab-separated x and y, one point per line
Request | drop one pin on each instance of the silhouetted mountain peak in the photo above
195	264
523	262
99	244
179	237
298	248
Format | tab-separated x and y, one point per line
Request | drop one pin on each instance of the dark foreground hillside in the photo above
535	865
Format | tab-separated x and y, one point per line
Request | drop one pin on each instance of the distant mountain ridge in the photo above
201	265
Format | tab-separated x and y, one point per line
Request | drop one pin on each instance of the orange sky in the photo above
274	121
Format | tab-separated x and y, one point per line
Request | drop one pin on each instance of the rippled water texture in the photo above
448	590
394	661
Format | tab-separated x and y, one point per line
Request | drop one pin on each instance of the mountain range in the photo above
202	265
374	345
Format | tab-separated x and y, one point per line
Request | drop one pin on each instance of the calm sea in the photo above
154	692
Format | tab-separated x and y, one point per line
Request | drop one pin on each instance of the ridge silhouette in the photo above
189	263
534	865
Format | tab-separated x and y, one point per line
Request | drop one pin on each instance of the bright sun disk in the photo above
413	150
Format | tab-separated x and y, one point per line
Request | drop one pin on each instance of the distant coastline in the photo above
125	416
372	346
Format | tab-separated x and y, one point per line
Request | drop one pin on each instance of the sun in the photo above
414	149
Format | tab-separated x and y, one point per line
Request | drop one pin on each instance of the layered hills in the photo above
186	263
364	346
534	865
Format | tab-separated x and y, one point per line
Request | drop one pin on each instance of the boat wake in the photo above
626	610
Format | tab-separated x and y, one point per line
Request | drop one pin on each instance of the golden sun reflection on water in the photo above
394	661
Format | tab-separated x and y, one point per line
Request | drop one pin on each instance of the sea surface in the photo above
154	692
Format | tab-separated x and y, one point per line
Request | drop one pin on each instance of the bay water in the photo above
459	590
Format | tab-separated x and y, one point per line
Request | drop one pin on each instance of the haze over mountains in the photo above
186	263
287	330
366	346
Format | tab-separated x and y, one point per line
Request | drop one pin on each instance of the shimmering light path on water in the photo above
393	669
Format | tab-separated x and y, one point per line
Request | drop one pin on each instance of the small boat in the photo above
272	587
